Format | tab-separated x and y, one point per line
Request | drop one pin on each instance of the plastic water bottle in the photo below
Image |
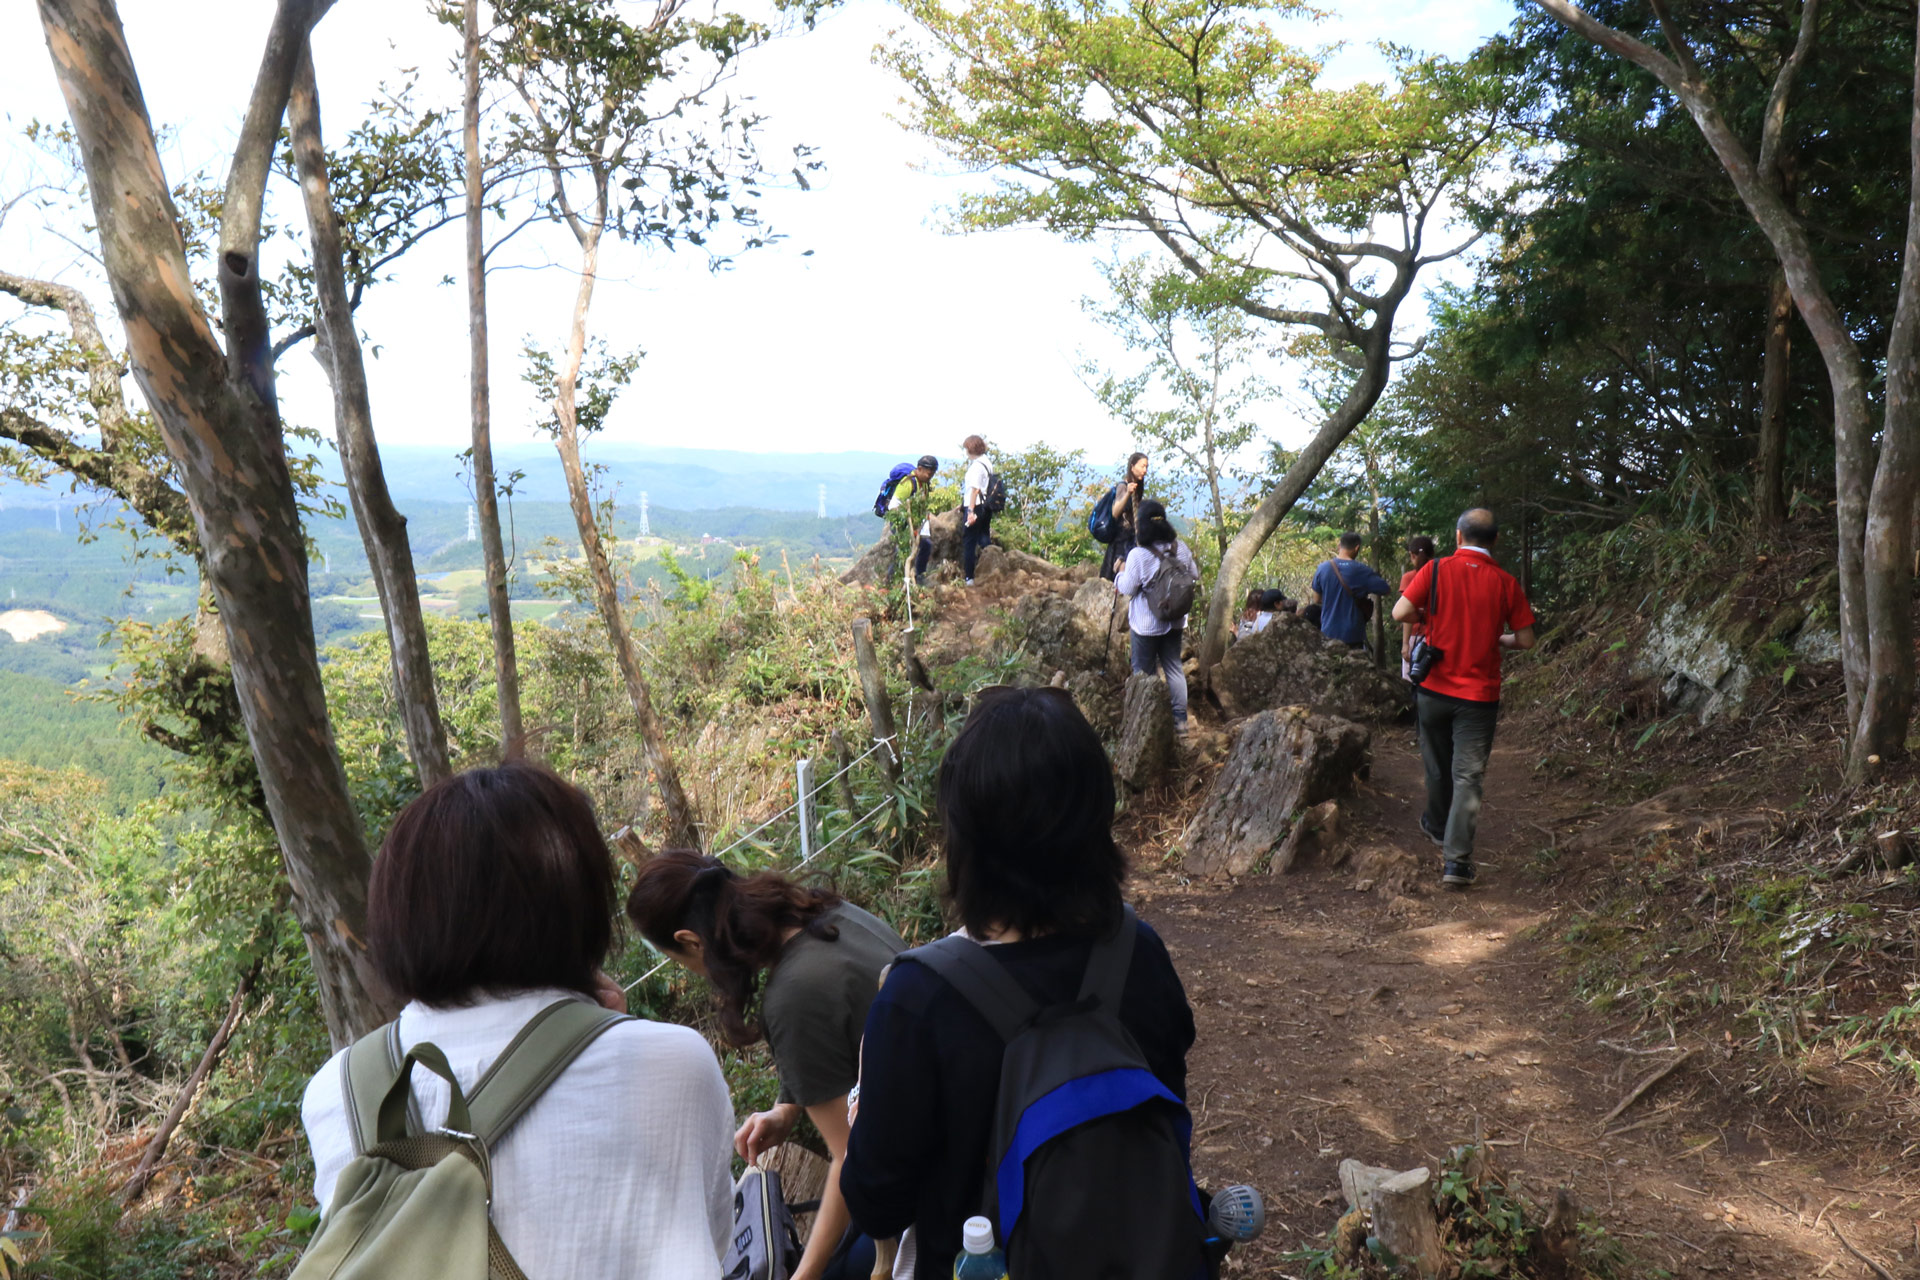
980	1258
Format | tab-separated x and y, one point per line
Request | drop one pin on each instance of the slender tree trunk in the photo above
1273	508
218	416
1888	708
1770	498
383	530
682	830
486	498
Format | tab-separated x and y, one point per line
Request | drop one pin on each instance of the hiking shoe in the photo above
1438	837
1458	875
969	581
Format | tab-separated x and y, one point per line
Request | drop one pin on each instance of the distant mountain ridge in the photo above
682	479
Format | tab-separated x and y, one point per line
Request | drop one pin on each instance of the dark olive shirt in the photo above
816	999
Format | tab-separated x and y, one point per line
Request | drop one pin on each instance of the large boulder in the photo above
1146	751
880	563
1097	696
1282	762
1083	630
1292	664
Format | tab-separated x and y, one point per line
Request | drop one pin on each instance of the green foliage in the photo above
1049	493
54	728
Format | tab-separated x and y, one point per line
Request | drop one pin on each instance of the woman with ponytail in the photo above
797	966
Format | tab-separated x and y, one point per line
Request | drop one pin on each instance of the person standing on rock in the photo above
1475	610
978	529
1342	587
912	506
1126	495
1152	579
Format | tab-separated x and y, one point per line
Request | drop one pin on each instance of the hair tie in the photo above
714	870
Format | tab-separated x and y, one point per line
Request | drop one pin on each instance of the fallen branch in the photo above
1638	1091
1878	1270
157	1148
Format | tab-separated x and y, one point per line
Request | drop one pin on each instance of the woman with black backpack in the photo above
1123	504
1025	797
1159	579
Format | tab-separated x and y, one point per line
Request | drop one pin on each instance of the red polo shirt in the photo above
1477	601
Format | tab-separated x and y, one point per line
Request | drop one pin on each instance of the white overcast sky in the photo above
892	335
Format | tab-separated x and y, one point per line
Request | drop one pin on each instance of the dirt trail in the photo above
1335	1022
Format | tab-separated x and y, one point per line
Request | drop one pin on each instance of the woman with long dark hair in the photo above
1128	493
797	966
1157	640
1026	800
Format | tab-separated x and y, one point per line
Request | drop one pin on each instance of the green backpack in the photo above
414	1203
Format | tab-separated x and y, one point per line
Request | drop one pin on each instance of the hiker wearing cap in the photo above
1474	611
913	499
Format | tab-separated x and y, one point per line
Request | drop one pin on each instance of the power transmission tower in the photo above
823	502
646	525
473	523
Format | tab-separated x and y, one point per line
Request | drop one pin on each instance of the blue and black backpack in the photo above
1088	1171
901	470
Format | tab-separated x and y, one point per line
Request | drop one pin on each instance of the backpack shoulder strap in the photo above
1111	961
545	1047
367	1072
981	981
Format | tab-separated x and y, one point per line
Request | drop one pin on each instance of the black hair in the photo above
1479	527
1272	598
1025	797
740	921
1422	549
1350	541
490	882
1152	526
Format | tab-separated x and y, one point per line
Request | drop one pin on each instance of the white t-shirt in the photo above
621	1169
973	489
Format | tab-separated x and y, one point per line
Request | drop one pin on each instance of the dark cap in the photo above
929	463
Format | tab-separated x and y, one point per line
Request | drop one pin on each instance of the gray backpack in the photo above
1171	590
414	1203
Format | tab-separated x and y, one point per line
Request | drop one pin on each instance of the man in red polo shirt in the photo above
1474	612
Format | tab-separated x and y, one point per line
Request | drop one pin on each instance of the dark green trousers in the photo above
1455	740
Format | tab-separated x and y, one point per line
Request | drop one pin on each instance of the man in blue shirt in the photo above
1340	584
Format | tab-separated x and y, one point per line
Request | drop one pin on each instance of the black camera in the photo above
1420	662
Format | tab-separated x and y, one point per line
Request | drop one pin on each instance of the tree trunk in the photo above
1770	497
873	687
1222	605
682	831
217	413
486	499
1887	707
383	530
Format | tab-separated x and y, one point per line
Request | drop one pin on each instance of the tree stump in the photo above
1404	1221
1146	751
1281	762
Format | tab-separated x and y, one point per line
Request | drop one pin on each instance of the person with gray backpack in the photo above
1159	581
512	1122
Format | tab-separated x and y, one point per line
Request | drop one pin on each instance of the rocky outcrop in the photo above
1099	700
1079	631
1145	754
1282	762
1706	656
880	564
1292	664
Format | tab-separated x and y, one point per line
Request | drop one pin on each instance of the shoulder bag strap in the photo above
1335	562
982	982
545	1047
1111	961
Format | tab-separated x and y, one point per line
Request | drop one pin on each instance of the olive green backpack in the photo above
415	1203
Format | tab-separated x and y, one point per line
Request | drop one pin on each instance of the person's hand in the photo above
765	1130
609	993
969	517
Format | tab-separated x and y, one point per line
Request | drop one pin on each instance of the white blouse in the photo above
621	1169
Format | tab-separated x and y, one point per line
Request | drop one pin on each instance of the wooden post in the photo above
873	684
1403	1218
842	765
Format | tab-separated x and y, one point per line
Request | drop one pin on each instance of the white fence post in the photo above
803	786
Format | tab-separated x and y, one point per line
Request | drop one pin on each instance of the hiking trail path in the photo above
1336	1021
